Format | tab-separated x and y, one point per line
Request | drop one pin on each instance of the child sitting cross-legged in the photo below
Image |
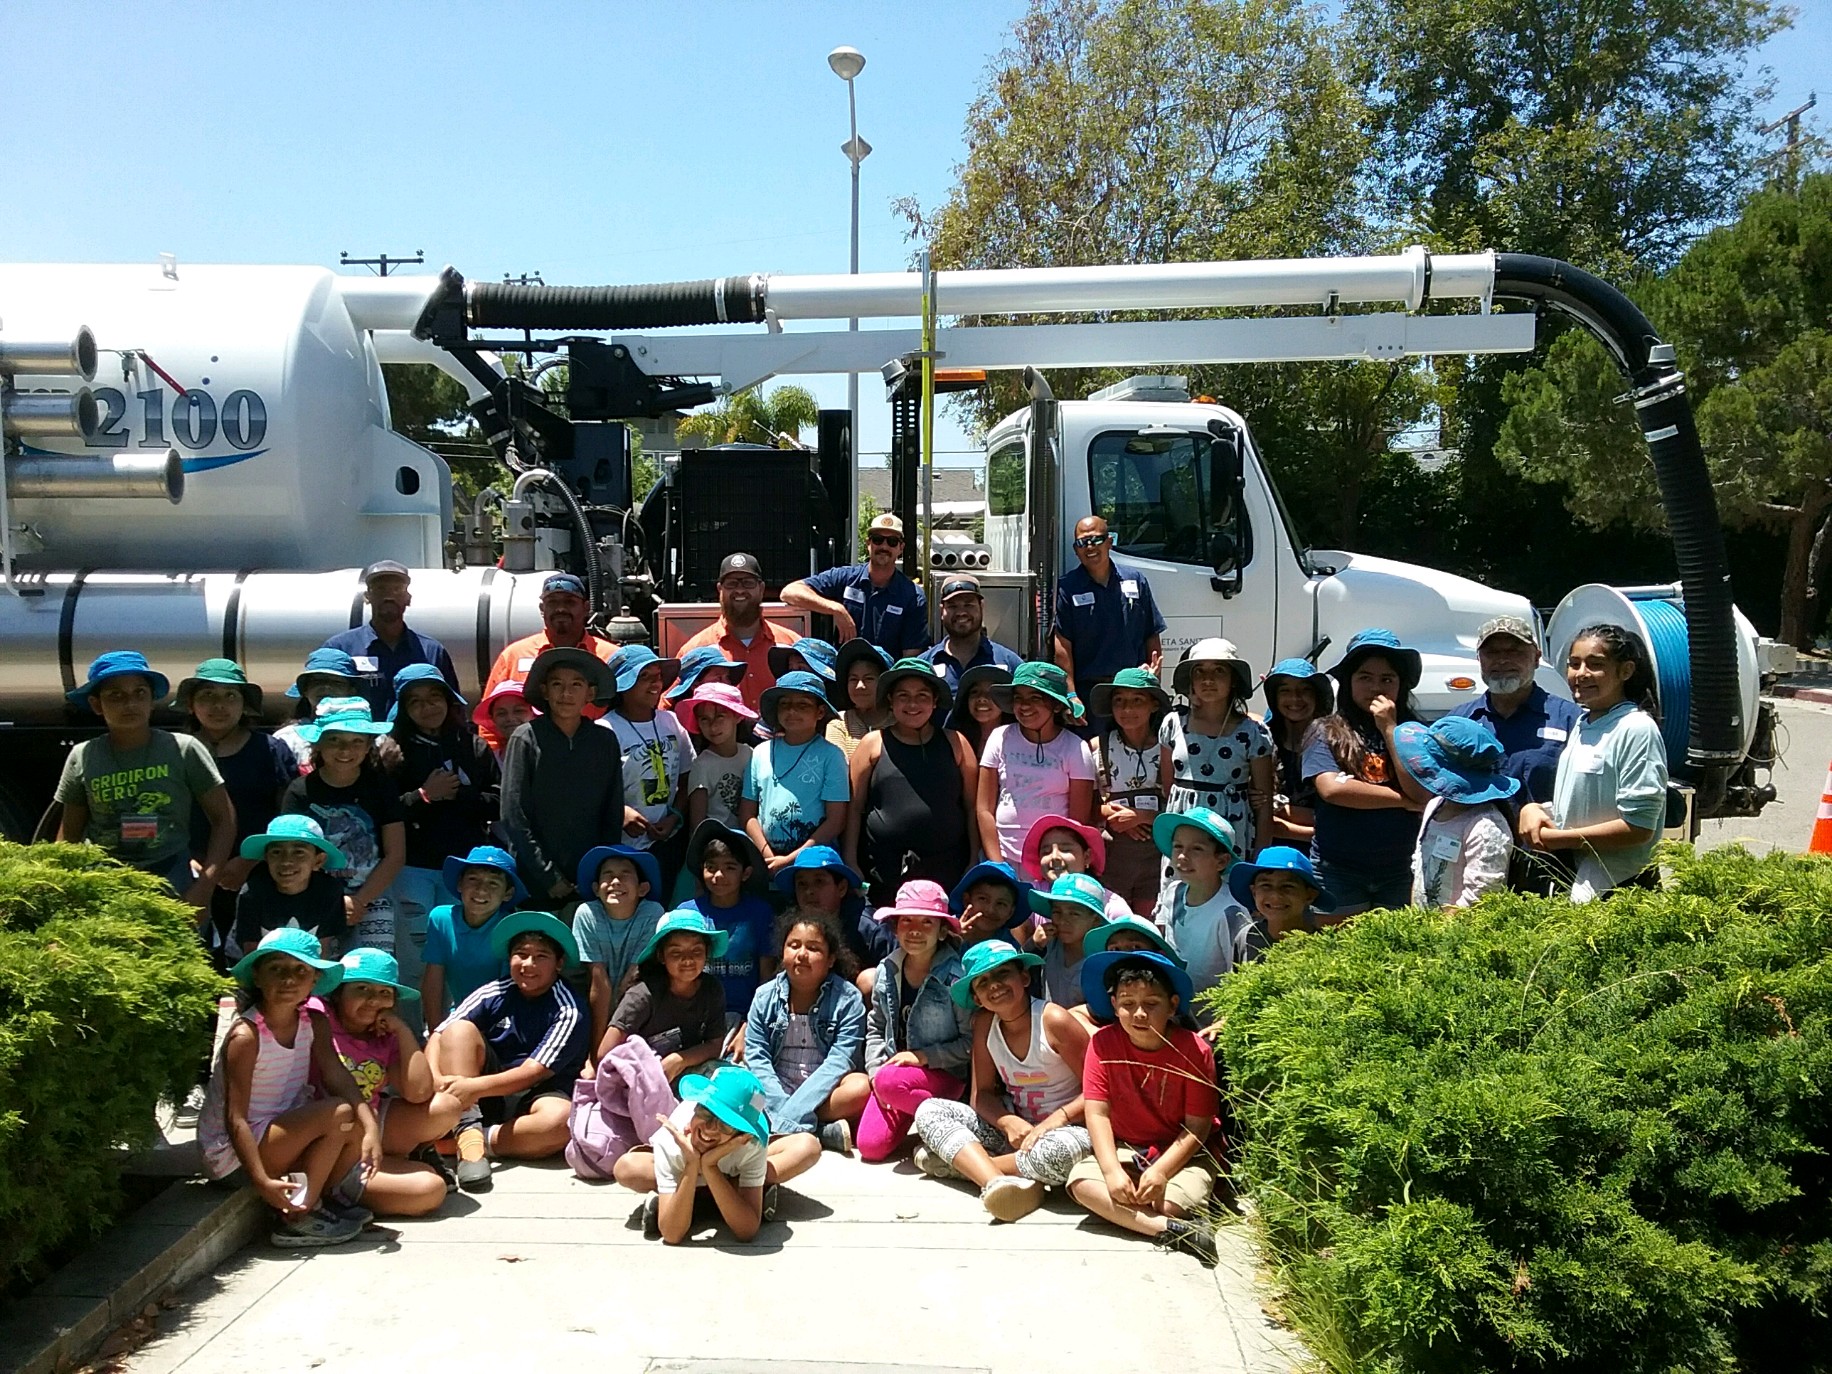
715	1140
1072	907
289	887
307	1159
460	954
1020	1129
675	1006
517	1044
1281	890
1151	1103
1195	908
615	925
382	1053
918	1040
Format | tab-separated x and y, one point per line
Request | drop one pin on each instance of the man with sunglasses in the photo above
872	600
743	633
1106	618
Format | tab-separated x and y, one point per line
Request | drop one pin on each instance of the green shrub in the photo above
105	1000
1537	1136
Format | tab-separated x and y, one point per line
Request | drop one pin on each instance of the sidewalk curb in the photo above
1821	695
178	1237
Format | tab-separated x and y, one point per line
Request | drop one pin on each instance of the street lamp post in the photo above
847	63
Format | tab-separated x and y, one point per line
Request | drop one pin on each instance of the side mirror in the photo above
1229	549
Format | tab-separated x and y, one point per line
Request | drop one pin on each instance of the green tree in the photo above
755	417
1748	307
433	410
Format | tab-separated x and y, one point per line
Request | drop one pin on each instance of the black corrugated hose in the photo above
656	305
1665	416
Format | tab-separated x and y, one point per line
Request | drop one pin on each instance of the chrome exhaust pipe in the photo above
49	414
145	475
74	357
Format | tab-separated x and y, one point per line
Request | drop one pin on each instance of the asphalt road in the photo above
1787	822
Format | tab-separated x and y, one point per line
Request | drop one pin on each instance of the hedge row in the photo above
105	1000
1534	1136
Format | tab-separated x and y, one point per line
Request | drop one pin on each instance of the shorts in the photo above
499	1109
1190	1188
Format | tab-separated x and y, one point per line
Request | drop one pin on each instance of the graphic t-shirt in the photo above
792	784
603	939
722	779
751	925
1033	781
262	907
352	818
139	800
369	1058
462	950
656	756
670	1024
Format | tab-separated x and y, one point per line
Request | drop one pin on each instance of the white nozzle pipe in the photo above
49	415
385	302
74	356
83	475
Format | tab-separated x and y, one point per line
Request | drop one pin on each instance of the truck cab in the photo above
1189	503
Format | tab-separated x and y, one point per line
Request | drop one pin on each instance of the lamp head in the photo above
846	62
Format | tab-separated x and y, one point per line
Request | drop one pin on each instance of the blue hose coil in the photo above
1666	627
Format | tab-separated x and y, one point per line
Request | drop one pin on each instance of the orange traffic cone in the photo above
1821	843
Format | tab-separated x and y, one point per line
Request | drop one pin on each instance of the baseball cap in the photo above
385	567
955	586
1510	625
566	582
740	563
889	523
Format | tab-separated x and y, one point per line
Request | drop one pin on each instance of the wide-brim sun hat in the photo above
119	663
365	965
426	672
293	829
686	920
1100	698
484	856
854	650
803	684
697	663
994	675
919	670
987	957
1322	686
720	694
1455	758
1030	855
342	716
582	661
1277	858
1211	823
709	830
536	923
219	672
509	688
818	654
1076	889
1378	643
1095	941
325	665
1212	650
922	898
1096	967
814	858
732	1094
586	878
1045	679
993	871
294	943
632	659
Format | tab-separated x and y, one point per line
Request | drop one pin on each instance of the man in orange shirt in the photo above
742	632
564	608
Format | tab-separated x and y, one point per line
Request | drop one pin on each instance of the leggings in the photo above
897	1090
947	1128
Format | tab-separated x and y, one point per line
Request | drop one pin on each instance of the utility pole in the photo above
1788	154
383	262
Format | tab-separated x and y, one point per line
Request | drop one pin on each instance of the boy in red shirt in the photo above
1151	1104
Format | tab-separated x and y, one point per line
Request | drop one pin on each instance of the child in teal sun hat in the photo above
715	1140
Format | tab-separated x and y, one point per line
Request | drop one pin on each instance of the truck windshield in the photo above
1156	490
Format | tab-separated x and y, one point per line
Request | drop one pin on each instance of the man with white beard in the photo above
1531	724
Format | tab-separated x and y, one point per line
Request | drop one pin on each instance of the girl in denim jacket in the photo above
918	1043
804	1040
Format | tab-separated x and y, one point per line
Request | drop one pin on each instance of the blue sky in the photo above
591	142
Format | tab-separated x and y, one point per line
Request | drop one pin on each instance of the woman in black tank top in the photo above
912	788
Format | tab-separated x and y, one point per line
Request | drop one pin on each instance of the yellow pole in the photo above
928	418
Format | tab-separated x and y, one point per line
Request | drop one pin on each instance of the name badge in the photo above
853	593
1443	848
139	829
893	610
522	665
1553	733
1084	598
1129	588
1145	802
364	665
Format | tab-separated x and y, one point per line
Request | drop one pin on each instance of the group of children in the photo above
1022	1007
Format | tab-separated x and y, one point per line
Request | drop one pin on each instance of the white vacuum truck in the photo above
198	461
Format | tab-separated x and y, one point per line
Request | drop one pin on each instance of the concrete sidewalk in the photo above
866	1265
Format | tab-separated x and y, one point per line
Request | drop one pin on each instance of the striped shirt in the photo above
276	1087
551	1029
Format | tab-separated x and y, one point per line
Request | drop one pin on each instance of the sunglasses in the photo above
894	541
741	584
1091	541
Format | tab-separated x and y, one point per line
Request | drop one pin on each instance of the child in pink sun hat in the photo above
918	1041
716	716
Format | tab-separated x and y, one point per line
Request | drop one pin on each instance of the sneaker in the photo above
430	1156
1010	1198
350	1211
652	1217
837	1136
1196	1237
318	1227
933	1164
473	1159
185	1117
772	1195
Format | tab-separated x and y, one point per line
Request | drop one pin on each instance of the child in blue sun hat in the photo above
707	663
1466	834
1281	895
991	901
676	1006
1074	904
614	925
1298	695
796	786
327	673
715	1140
657	752
458	957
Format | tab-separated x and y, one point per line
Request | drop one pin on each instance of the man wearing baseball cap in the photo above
872	600
1530	722
386	645
743	633
964	642
564	608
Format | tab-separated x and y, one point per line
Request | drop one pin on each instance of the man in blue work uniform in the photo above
872	600
965	643
386	645
1530	722
1106	619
